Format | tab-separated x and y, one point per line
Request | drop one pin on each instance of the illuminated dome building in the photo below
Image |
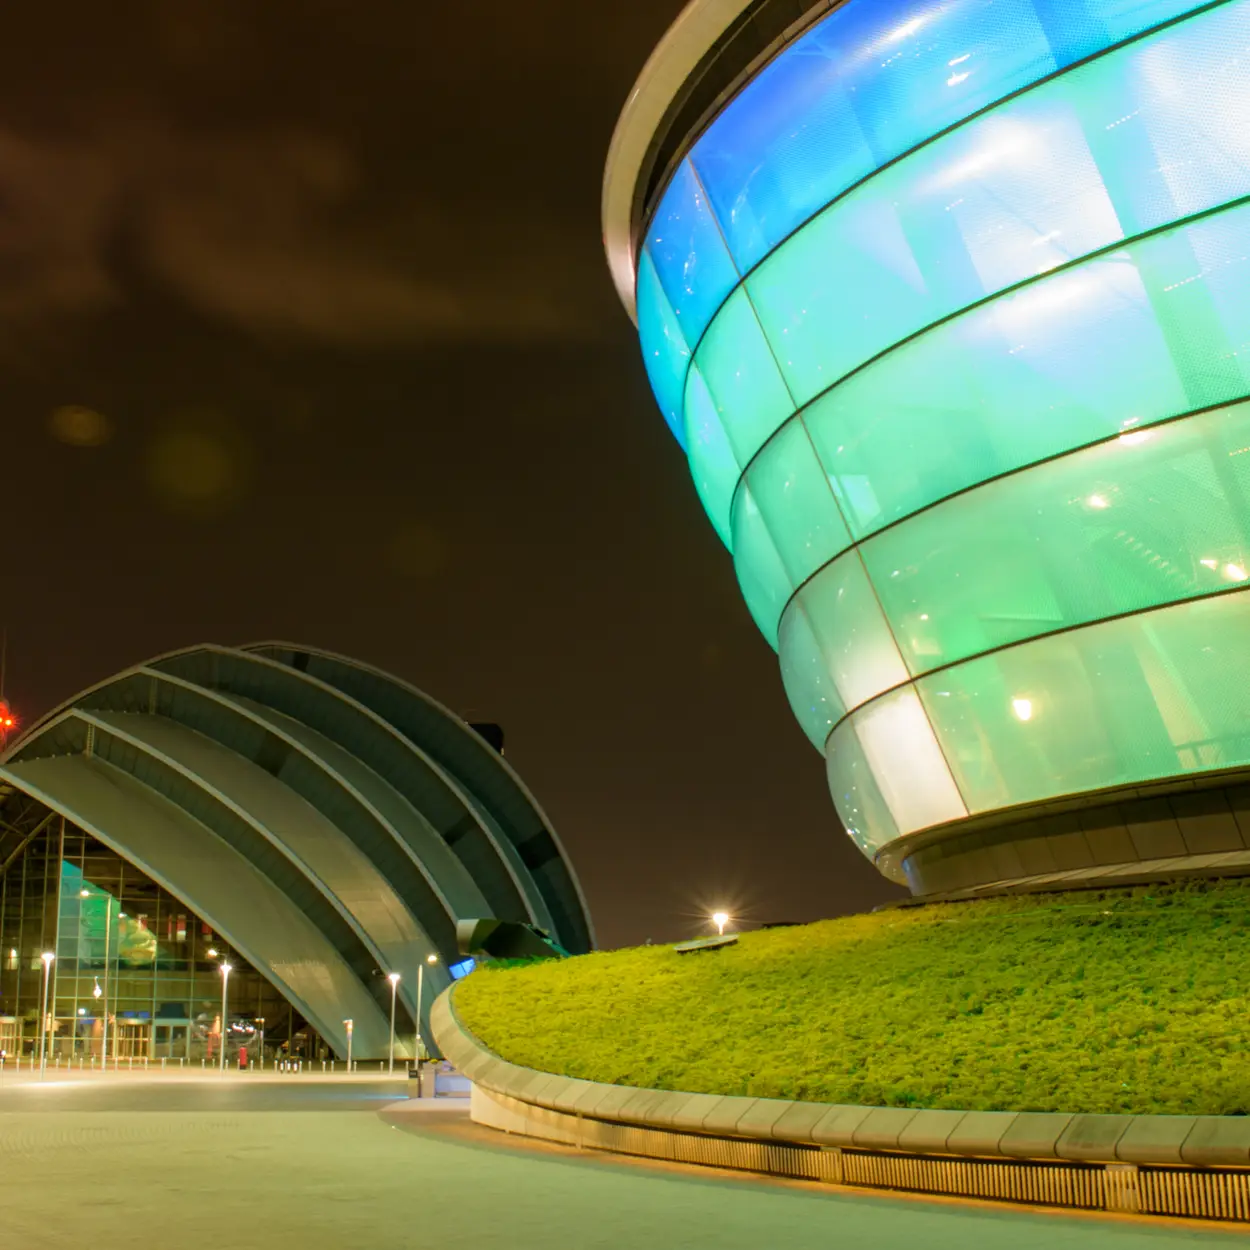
310	821
948	305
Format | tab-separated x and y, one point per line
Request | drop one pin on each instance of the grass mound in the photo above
1120	1001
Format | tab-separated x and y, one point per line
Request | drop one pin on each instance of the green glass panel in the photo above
1151	517
793	493
742	376
1147	696
763	580
886	769
712	463
1115	343
860	655
805	675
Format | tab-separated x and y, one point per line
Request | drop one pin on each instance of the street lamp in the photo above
349	1044
97	992
429	959
394	980
225	980
720	919
47	957
261	1021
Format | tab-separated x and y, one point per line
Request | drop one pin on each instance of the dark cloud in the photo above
331	276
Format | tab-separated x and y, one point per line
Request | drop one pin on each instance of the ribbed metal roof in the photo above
330	821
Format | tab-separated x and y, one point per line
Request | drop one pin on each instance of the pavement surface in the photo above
251	1162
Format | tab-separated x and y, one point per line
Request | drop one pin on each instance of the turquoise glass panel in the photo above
805	675
689	254
871	81
1147	332
1154	695
1152	517
712	464
860	655
763	580
742	376
798	505
664	349
1126	144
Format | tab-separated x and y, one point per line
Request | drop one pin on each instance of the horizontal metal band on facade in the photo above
1196	1166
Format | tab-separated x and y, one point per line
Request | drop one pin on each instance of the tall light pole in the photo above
225	980
720	919
349	1044
394	980
97	993
47	957
261	1021
429	959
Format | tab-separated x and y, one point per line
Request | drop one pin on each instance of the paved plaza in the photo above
240	1163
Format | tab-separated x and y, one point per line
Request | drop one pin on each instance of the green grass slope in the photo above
1124	1001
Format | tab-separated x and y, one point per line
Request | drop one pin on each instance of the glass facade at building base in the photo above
135	976
948	305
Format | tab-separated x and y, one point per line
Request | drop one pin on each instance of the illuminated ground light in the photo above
948	306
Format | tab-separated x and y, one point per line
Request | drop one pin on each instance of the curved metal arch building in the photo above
331	822
946	302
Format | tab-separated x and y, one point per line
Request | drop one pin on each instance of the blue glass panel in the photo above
1127	143
664	349
689	254
870	82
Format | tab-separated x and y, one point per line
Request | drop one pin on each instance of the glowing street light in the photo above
349	1044
47	958
225	980
720	919
394	980
429	959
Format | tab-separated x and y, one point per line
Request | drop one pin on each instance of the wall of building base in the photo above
1209	1193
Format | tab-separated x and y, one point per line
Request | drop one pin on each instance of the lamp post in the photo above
394	980
429	959
225	980
349	1045
97	992
261	1021
720	919
47	957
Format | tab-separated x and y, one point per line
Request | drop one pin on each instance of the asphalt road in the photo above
242	1164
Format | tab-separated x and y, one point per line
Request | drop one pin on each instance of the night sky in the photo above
306	333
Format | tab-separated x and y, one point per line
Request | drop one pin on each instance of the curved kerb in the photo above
1187	1165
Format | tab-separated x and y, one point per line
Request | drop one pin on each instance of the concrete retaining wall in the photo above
1183	1165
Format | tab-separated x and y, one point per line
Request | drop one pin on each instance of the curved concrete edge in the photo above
1177	1140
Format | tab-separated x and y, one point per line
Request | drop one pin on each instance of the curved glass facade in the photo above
949	308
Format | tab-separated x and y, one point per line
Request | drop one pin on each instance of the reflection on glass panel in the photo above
805	675
742	377
860	655
891	742
763	580
871	81
1153	516
1147	696
136	978
1126	144
664	349
713	466
797	503
689	254
1115	343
